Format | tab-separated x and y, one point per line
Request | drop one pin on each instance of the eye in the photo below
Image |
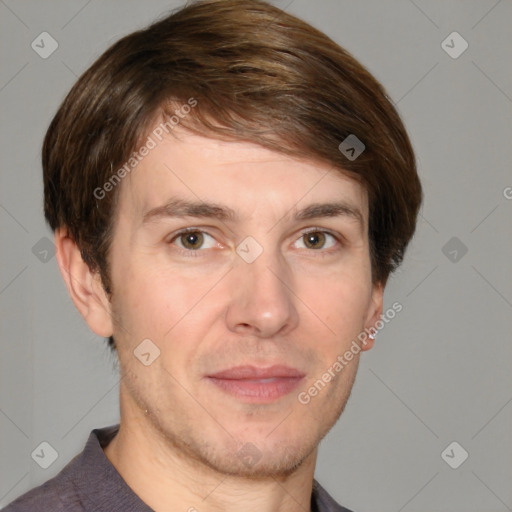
192	239
317	239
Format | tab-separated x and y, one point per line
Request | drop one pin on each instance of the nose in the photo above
262	302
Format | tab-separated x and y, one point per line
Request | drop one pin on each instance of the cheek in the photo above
341	300
160	304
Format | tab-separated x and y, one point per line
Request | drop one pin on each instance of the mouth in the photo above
257	385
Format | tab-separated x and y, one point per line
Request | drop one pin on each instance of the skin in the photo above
207	309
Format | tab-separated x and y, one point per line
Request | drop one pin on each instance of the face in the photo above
246	310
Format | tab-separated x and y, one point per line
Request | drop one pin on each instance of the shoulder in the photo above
57	495
68	490
324	501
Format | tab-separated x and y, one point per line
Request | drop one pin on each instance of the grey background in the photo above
440	371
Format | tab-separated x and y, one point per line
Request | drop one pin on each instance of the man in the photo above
229	191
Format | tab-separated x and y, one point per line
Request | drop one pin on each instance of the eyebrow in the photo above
180	208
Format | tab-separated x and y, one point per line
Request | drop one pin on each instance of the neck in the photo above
166	479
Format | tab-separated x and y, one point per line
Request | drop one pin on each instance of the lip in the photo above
256	384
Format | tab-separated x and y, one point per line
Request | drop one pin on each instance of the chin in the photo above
250	462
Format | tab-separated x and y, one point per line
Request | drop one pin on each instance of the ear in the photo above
374	313
84	286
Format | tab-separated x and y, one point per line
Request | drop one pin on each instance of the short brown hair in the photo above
257	74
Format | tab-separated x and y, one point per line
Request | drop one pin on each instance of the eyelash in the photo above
196	253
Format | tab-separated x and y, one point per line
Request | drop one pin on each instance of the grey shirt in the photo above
89	482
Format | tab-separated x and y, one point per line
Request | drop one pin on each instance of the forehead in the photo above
247	178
